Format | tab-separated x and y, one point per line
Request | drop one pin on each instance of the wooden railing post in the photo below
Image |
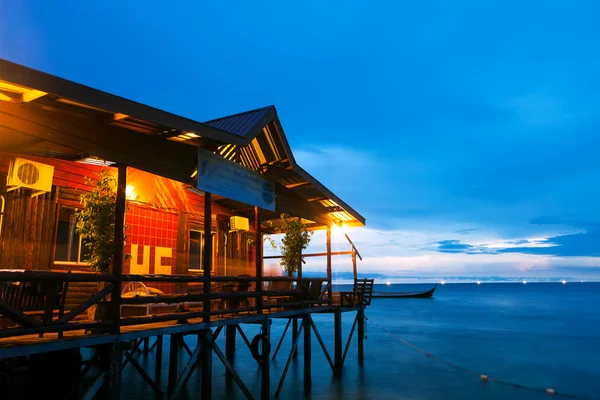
329	277
119	238
259	260
207	254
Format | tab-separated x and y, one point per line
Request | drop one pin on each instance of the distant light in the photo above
442	282
388	283
479	282
524	282
564	282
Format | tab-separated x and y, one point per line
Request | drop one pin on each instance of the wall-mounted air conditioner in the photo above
26	174
238	224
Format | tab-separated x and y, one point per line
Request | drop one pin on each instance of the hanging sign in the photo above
226	178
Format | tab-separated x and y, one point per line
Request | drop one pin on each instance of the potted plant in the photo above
296	238
251	249
95	223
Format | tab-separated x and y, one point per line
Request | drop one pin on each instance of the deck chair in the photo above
279	286
360	296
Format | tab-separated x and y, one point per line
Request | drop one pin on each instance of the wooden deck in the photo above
16	346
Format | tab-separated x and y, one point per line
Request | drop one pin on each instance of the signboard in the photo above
228	179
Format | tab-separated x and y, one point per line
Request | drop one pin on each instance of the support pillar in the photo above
265	387
259	260
207	254
361	334
119	255
159	351
114	371
206	362
230	334
329	277
307	356
173	362
294	334
338	340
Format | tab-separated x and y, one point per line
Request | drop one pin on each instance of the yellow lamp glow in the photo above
130	192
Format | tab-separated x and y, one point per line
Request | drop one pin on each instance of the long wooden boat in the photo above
404	295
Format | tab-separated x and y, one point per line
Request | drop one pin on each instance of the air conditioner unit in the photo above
239	224
30	175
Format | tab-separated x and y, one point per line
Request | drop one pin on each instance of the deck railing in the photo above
190	306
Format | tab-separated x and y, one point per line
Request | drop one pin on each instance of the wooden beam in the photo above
329	275
32	95
295	185
119	239
307	356
119	116
207	254
259	259
4	97
11	141
289	203
29	78
153	154
333	253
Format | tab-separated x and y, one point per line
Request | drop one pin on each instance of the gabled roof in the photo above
269	152
246	124
49	116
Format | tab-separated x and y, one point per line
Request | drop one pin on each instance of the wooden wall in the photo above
29	226
28	230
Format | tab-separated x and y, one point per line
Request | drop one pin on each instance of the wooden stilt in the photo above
259	260
114	371
230	334
265	387
361	334
173	362
329	276
146	345
307	356
159	351
207	255
206	357
294	333
338	340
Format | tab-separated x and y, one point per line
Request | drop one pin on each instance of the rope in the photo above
484	378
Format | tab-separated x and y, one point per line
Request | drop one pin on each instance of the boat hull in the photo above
404	295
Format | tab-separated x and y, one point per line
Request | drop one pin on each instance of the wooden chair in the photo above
279	286
360	296
36	298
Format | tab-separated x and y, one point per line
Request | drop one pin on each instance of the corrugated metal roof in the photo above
247	124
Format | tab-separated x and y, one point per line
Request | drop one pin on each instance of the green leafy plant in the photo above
95	221
296	238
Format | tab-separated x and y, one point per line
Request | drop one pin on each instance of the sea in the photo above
526	338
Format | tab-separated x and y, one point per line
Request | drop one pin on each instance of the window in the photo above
69	246
197	251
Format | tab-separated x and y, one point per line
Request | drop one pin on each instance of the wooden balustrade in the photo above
222	304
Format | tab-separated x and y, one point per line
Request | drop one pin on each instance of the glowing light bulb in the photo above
524	282
388	283
479	282
442	282
564	282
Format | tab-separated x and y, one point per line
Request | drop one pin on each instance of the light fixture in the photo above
130	192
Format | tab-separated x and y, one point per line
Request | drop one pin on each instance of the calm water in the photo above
545	335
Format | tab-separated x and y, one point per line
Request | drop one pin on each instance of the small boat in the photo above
404	295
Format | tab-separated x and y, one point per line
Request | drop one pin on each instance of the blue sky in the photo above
466	132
